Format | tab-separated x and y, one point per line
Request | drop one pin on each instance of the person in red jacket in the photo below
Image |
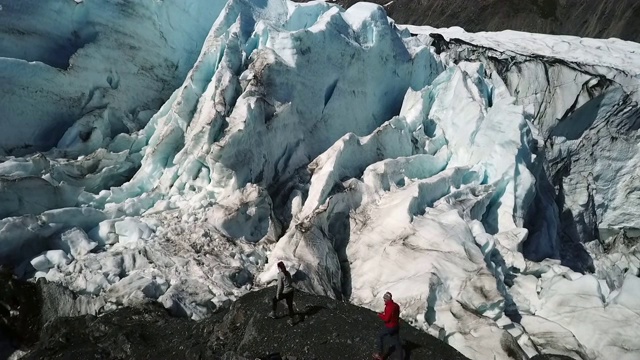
391	318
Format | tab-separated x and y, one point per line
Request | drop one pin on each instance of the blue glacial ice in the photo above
487	179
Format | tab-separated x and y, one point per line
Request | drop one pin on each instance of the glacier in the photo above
95	70
486	179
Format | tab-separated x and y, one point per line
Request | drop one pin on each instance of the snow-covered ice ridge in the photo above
487	180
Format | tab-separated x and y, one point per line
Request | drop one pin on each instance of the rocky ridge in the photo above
585	18
43	328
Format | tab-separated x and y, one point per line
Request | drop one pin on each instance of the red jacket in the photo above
391	314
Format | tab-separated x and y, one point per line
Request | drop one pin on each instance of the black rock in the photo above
20	309
242	332
585	18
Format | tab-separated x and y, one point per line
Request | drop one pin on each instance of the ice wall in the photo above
94	70
463	176
584	103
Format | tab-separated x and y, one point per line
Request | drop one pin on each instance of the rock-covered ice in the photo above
487	180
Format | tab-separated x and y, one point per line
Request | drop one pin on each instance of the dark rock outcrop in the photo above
26	308
323	329
586	18
19	314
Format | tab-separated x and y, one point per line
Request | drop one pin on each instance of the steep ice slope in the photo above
369	159
583	98
94	70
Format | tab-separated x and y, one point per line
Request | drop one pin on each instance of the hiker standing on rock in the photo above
284	291
391	318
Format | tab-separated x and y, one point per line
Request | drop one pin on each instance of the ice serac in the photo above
465	173
80	85
584	103
412	232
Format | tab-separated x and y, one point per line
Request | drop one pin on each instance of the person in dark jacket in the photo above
391	329
284	291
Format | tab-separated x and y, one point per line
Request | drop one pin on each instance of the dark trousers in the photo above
394	334
286	297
